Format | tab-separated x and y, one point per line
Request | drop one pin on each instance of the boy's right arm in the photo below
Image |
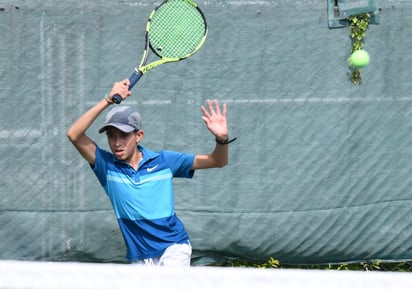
77	132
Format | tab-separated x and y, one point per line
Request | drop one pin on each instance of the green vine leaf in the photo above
358	24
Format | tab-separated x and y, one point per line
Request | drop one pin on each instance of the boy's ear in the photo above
139	135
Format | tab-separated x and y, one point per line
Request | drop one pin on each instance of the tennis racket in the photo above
175	30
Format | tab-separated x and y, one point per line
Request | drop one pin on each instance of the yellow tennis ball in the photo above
359	58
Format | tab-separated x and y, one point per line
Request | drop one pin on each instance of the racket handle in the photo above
134	78
117	99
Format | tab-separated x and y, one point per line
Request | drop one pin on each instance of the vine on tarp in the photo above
358	24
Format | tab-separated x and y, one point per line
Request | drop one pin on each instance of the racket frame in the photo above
143	68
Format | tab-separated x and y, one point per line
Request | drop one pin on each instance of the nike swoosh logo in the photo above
152	168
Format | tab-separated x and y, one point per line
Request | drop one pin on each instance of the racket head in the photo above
176	29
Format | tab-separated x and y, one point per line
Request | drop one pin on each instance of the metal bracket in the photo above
340	10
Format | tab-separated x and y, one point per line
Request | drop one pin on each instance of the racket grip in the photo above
134	78
117	99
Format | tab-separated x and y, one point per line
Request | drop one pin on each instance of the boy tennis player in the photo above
138	181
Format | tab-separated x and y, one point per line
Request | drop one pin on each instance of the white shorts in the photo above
177	255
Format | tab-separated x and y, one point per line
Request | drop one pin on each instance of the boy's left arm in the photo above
216	122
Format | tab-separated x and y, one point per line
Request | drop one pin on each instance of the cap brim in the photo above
123	127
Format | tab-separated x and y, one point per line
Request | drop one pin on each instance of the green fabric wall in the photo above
321	170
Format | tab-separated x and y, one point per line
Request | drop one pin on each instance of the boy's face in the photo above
123	145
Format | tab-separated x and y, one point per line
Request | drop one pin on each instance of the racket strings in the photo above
177	28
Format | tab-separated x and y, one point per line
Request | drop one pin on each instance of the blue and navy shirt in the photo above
143	199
